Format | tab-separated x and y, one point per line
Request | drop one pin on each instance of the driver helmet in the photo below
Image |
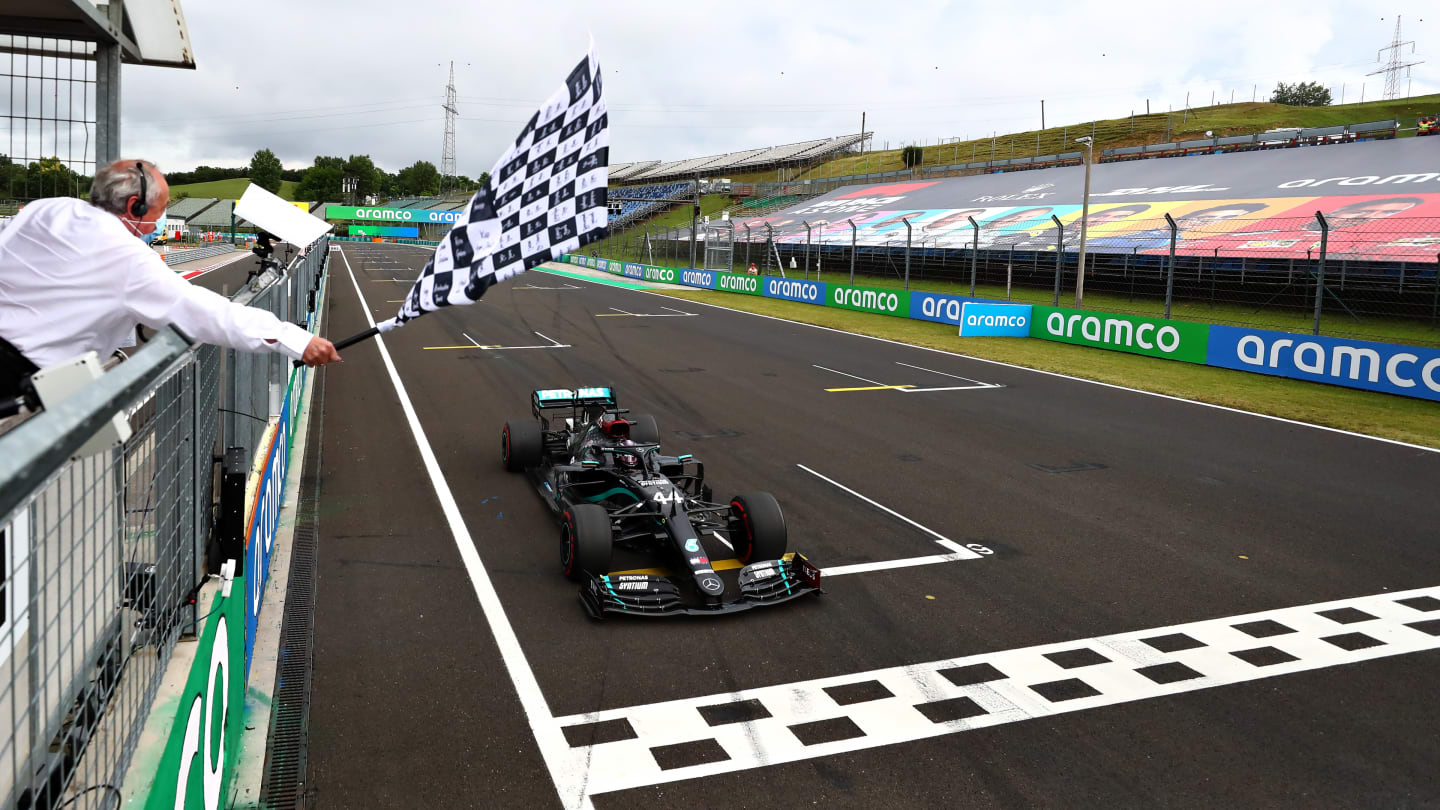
627	461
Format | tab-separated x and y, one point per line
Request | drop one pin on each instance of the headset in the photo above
141	207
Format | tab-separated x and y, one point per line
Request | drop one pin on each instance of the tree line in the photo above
325	179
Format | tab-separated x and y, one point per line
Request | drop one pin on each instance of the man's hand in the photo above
319	352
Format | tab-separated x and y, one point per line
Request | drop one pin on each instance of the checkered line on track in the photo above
681	739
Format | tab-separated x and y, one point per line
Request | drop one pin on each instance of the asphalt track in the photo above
1128	531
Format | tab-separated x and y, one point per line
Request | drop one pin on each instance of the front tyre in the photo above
757	527
585	541
521	445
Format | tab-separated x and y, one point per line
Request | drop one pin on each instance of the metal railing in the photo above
1373	277
104	551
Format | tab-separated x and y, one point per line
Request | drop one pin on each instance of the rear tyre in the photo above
585	541
757	527
521	445
644	430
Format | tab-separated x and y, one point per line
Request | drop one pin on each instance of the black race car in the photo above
608	484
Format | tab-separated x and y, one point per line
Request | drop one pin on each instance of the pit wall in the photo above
1407	371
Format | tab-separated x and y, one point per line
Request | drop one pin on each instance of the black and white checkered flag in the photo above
545	197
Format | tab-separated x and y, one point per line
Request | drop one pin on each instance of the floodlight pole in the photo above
1059	257
1320	271
1089	155
694	223
852	250
1170	268
974	253
907	251
807	249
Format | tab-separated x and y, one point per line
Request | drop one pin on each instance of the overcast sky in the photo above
340	77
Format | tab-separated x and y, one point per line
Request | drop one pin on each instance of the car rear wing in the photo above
550	398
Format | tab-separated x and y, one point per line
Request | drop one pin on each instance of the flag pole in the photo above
349	341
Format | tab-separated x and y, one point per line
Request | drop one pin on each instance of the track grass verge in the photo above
1383	415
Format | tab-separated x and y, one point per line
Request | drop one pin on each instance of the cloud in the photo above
362	77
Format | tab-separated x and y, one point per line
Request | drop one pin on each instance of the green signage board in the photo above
1172	340
869	299
200	754
738	283
405	216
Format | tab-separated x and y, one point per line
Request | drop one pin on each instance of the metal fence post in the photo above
974	253
1009	271
908	232
1059	257
1170	268
852	250
747	247
1320	271
770	245
1435	296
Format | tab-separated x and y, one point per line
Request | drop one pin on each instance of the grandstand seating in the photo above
216	217
631	209
189	207
747	159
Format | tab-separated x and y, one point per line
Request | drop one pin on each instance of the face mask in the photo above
147	238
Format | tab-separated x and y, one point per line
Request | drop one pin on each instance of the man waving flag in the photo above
545	197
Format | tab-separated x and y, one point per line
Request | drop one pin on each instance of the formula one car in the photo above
607	483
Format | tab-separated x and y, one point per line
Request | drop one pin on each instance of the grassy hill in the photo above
226	189
1221	119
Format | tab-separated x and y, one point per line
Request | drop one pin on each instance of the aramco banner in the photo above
390	215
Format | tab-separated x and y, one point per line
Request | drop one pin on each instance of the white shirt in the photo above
74	279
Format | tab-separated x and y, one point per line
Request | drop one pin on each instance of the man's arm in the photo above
156	296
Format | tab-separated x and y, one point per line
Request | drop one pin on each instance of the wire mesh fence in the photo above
1372	269
47	116
103	553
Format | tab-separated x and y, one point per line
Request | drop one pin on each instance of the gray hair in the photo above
115	184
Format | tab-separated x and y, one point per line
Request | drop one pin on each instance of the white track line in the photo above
1282	419
952	376
721	538
569	778
472	340
851	376
885	565
964	553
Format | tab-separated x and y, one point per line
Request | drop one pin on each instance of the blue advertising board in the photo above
936	307
698	278
1410	371
633	270
265	516
806	292
995	320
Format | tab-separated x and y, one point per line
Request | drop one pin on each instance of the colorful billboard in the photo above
1381	199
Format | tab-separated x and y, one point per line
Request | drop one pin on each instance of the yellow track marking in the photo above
431	348
872	388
